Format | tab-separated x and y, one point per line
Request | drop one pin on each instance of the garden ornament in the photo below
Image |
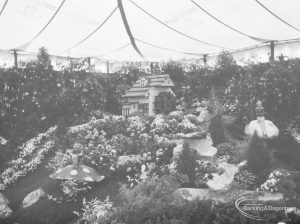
76	171
263	128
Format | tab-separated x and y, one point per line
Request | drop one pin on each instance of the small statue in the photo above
260	114
259	110
75	153
263	128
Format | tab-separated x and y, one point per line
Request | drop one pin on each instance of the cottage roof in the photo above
139	90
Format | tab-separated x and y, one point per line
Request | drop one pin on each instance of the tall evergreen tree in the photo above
257	156
216	129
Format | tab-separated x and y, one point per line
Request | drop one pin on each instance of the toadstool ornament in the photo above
81	173
263	128
77	172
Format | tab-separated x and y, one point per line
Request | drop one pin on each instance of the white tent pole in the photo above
107	67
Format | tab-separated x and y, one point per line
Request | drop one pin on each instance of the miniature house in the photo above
150	95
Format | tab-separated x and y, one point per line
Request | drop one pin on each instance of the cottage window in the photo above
126	112
145	109
143	82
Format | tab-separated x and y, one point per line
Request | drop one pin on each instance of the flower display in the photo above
31	154
276	180
159	125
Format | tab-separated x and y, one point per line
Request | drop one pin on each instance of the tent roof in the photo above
22	20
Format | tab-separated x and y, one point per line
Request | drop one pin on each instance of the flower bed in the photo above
31	154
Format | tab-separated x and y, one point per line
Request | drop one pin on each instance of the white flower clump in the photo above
274	178
136	125
177	152
186	125
131	160
203	113
159	124
30	146
3	141
162	141
95	122
144	137
242	164
178	115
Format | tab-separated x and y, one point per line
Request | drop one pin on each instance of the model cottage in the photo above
150	95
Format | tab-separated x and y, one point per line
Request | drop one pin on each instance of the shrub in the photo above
186	163
205	171
280	181
225	149
245	179
72	189
286	148
216	129
153	202
94	211
258	159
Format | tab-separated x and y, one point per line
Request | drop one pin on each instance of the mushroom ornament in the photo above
264	128
81	173
76	171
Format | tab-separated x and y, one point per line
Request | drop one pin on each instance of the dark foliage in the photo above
276	84
34	96
258	159
175	70
186	163
216	129
153	202
286	148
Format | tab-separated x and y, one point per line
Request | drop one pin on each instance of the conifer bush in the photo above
258	159
216	129
186	163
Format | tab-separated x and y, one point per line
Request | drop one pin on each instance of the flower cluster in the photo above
126	162
3	141
159	125
59	160
176	115
205	171
72	189
33	144
187	124
275	180
94	211
136	126
97	150
163	141
130	166
176	122
109	125
245	179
